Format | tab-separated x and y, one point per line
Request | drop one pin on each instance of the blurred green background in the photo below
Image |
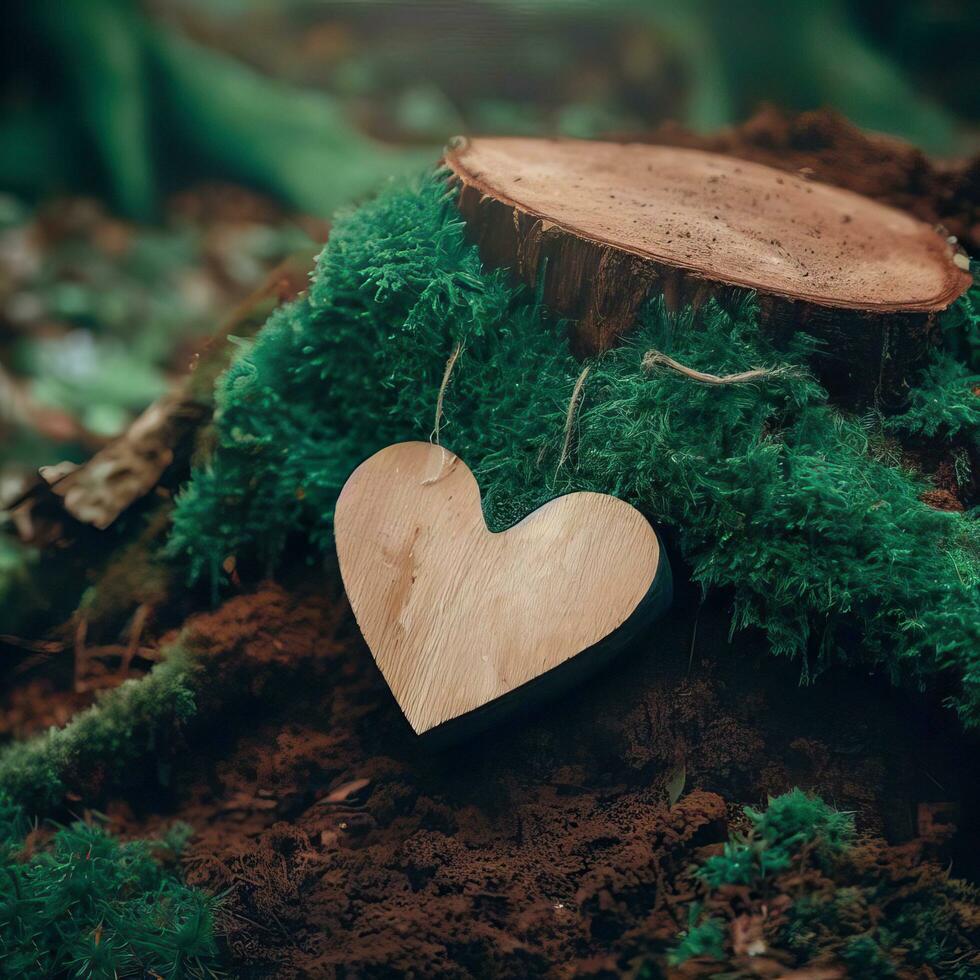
160	157
132	99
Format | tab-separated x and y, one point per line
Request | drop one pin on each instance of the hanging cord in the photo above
573	405
653	358
450	364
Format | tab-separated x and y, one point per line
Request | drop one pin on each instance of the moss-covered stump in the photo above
804	512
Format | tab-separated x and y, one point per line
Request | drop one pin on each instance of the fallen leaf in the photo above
675	783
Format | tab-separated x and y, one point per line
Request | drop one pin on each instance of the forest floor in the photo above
558	843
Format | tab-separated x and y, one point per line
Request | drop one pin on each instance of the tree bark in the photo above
606	225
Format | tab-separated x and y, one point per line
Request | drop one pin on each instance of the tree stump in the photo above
611	223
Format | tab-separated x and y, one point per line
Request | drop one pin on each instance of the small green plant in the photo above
124	725
791	823
944	403
961	329
91	906
702	939
799	888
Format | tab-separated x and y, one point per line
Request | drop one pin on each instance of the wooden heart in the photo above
458	617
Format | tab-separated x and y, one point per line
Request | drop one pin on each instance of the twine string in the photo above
654	358
450	364
573	404
651	359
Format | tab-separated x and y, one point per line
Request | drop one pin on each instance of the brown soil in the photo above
546	848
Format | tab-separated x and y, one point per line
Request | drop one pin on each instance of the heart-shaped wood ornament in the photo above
465	623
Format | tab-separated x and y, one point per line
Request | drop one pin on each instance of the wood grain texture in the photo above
613	222
456	616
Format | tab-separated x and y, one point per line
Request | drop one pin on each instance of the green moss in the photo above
774	493
813	893
123	726
961	330
705	939
794	821
865	958
944	403
89	905
791	822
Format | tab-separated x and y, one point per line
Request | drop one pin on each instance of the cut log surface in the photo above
612	222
